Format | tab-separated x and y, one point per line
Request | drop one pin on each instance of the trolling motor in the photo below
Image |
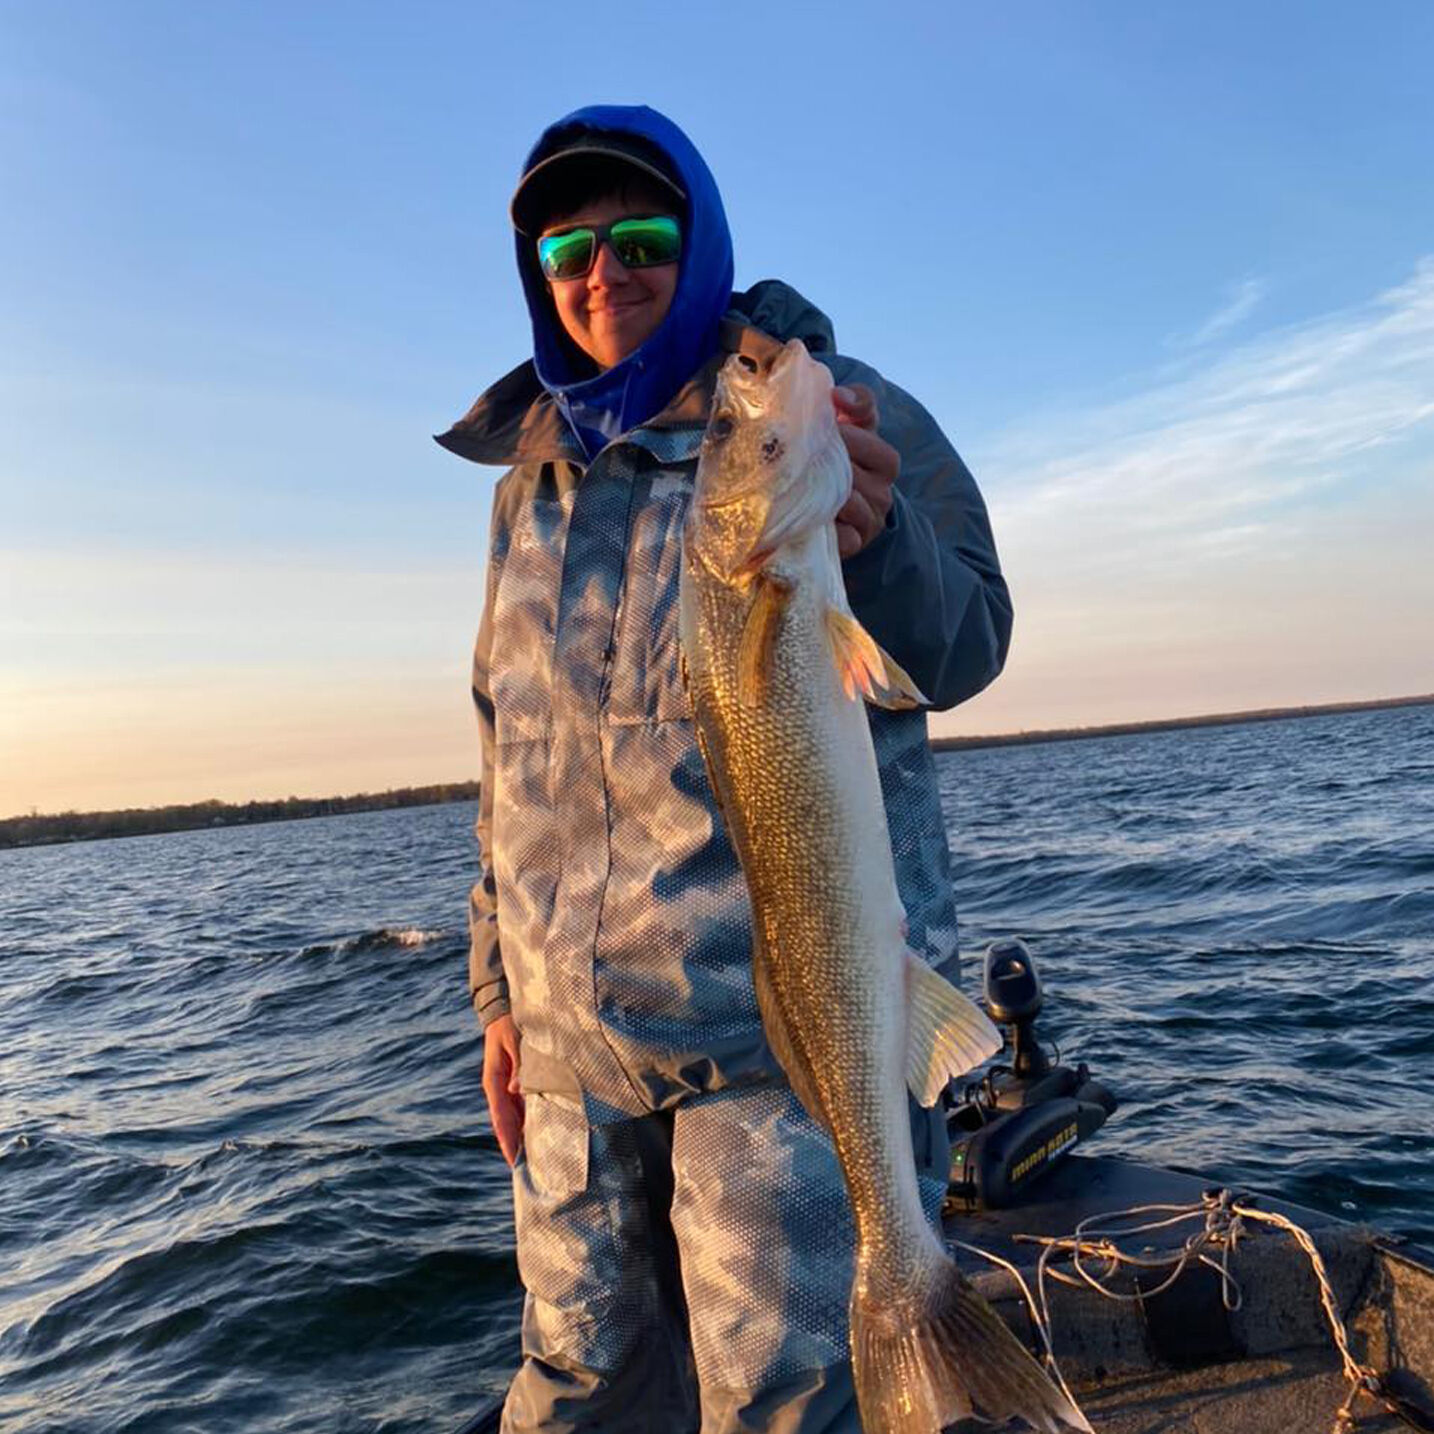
1019	1119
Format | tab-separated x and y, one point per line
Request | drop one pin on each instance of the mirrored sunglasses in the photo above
638	244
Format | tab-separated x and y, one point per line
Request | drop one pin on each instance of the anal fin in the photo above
947	1034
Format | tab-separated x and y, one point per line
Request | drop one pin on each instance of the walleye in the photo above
775	661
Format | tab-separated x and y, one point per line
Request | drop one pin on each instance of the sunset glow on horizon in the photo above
1184	338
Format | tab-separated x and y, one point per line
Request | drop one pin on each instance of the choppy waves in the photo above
247	1182
1236	927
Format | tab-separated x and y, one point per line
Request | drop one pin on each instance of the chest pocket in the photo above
646	680
525	612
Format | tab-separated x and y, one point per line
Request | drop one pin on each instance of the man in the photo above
683	1231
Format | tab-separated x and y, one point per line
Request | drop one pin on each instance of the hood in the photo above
517	421
599	407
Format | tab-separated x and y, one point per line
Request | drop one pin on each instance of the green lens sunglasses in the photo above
638	244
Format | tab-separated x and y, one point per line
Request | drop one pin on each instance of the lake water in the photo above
247	1183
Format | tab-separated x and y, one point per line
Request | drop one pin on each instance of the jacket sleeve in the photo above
929	588
487	985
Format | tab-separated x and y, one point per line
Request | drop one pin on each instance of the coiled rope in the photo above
1222	1218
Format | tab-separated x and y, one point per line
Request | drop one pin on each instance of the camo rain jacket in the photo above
611	916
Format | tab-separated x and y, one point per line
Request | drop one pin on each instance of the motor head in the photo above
1013	998
1013	986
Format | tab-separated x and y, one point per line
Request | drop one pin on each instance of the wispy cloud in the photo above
1238	306
1252	533
1291	419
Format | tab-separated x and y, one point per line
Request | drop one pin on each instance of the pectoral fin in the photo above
759	638
865	668
946	1033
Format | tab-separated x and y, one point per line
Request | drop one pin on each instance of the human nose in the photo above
607	268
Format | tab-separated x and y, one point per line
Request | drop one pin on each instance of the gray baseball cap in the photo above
534	197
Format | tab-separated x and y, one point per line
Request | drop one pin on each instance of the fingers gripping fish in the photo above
775	660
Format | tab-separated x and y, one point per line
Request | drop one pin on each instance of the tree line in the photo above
41	830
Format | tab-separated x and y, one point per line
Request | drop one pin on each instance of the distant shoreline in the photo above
200	816
38	830
1175	724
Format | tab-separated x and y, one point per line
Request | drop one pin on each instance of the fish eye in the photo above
747	362
721	428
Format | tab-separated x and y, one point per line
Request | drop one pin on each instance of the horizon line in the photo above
1170	724
938	744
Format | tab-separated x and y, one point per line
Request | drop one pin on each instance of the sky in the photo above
1163	273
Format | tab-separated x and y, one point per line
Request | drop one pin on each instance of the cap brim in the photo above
529	207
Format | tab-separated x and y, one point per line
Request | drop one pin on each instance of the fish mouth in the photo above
750	373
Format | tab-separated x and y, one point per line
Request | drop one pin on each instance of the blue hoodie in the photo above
603	406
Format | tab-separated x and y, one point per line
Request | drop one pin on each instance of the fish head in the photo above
772	467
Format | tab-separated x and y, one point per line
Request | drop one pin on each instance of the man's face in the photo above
611	311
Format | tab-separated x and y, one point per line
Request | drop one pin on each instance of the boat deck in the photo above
1181	1362
1083	1186
1296	1393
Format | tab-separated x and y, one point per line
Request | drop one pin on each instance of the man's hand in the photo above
875	465
500	1084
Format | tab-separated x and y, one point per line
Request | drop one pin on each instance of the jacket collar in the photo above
518	421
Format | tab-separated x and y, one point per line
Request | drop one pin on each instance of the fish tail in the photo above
918	1371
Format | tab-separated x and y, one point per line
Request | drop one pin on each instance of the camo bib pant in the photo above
689	1269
